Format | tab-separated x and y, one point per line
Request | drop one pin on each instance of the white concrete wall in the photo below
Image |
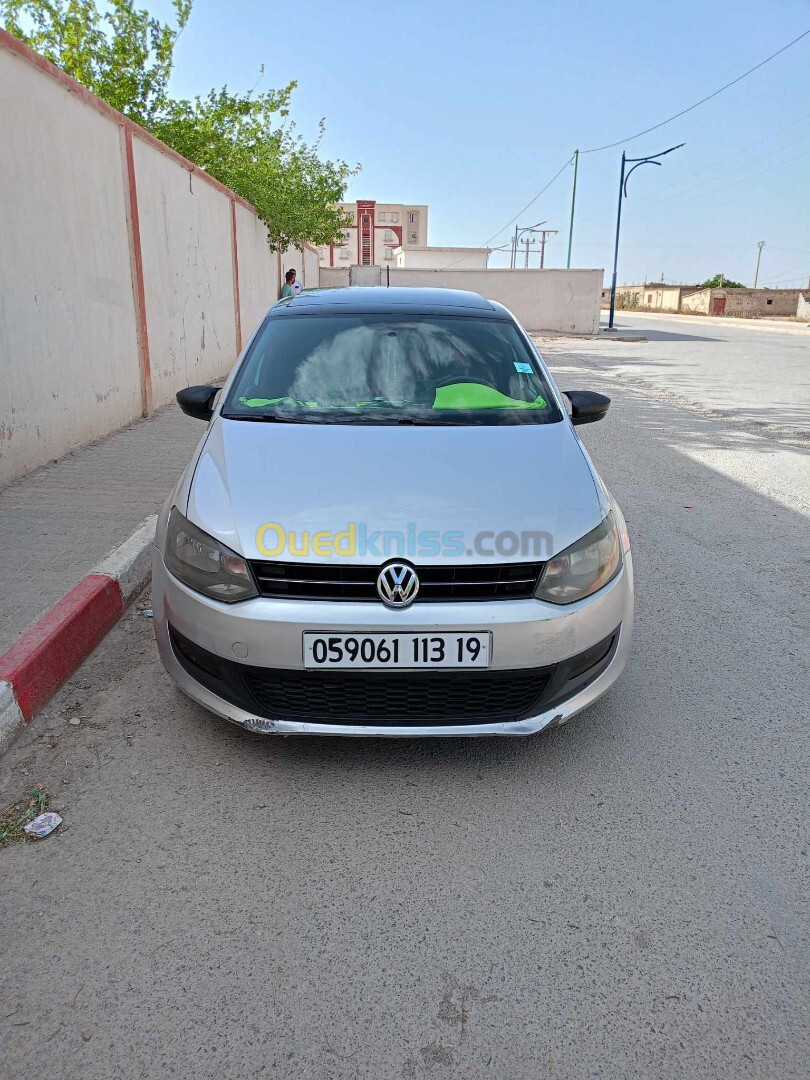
188	274
258	270
334	277
803	309
365	276
440	258
68	355
311	268
697	301
563	300
70	363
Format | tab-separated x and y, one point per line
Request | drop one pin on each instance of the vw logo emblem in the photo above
398	585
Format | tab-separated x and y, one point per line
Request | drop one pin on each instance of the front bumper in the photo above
264	633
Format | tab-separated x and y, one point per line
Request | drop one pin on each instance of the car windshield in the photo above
389	369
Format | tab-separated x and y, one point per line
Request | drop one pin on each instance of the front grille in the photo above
327	581
421	697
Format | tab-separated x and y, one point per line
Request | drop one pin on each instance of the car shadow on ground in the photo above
656	335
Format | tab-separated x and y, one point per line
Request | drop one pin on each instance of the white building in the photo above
378	229
442	258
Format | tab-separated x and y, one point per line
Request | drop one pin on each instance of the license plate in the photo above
397	650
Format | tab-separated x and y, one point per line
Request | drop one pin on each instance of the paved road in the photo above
626	897
758	377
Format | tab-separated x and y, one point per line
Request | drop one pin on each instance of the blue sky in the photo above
472	107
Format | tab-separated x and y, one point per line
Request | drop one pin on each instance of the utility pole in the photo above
760	246
543	234
573	204
635	162
516	241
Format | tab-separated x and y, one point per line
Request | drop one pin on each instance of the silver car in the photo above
391	528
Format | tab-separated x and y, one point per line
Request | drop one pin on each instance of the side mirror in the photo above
586	406
197	401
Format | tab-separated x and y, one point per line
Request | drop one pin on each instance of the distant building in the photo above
377	230
694	300
652	297
442	258
748	303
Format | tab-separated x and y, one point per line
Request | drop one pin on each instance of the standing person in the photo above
288	288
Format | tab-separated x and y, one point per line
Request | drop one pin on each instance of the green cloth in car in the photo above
260	402
470	395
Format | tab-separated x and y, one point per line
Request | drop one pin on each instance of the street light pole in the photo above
616	244
651	159
760	246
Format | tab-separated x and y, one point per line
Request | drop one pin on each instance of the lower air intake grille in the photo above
406	697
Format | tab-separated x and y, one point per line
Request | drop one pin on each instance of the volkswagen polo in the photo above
391	527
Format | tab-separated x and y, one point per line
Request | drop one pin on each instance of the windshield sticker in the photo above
524	369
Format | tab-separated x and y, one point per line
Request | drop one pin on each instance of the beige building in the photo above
651	297
693	300
377	230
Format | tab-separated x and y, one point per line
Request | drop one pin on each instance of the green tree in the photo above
246	141
234	138
122	54
720	281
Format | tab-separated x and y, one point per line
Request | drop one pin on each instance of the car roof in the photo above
395	300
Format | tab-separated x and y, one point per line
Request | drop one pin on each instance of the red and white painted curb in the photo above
47	654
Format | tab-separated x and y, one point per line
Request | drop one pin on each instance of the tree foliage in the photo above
246	140
122	54
233	138
719	281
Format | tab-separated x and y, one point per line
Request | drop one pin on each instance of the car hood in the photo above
506	479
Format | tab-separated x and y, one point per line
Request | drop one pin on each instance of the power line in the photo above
655	127
676	200
683	112
786	276
511	221
531	202
655	197
707	168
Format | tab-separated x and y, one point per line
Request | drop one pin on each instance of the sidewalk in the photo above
61	521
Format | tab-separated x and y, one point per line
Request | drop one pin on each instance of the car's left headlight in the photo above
584	567
205	564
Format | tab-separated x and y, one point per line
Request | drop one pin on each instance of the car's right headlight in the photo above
584	567
206	564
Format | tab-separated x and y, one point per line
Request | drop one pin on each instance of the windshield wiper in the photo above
270	418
